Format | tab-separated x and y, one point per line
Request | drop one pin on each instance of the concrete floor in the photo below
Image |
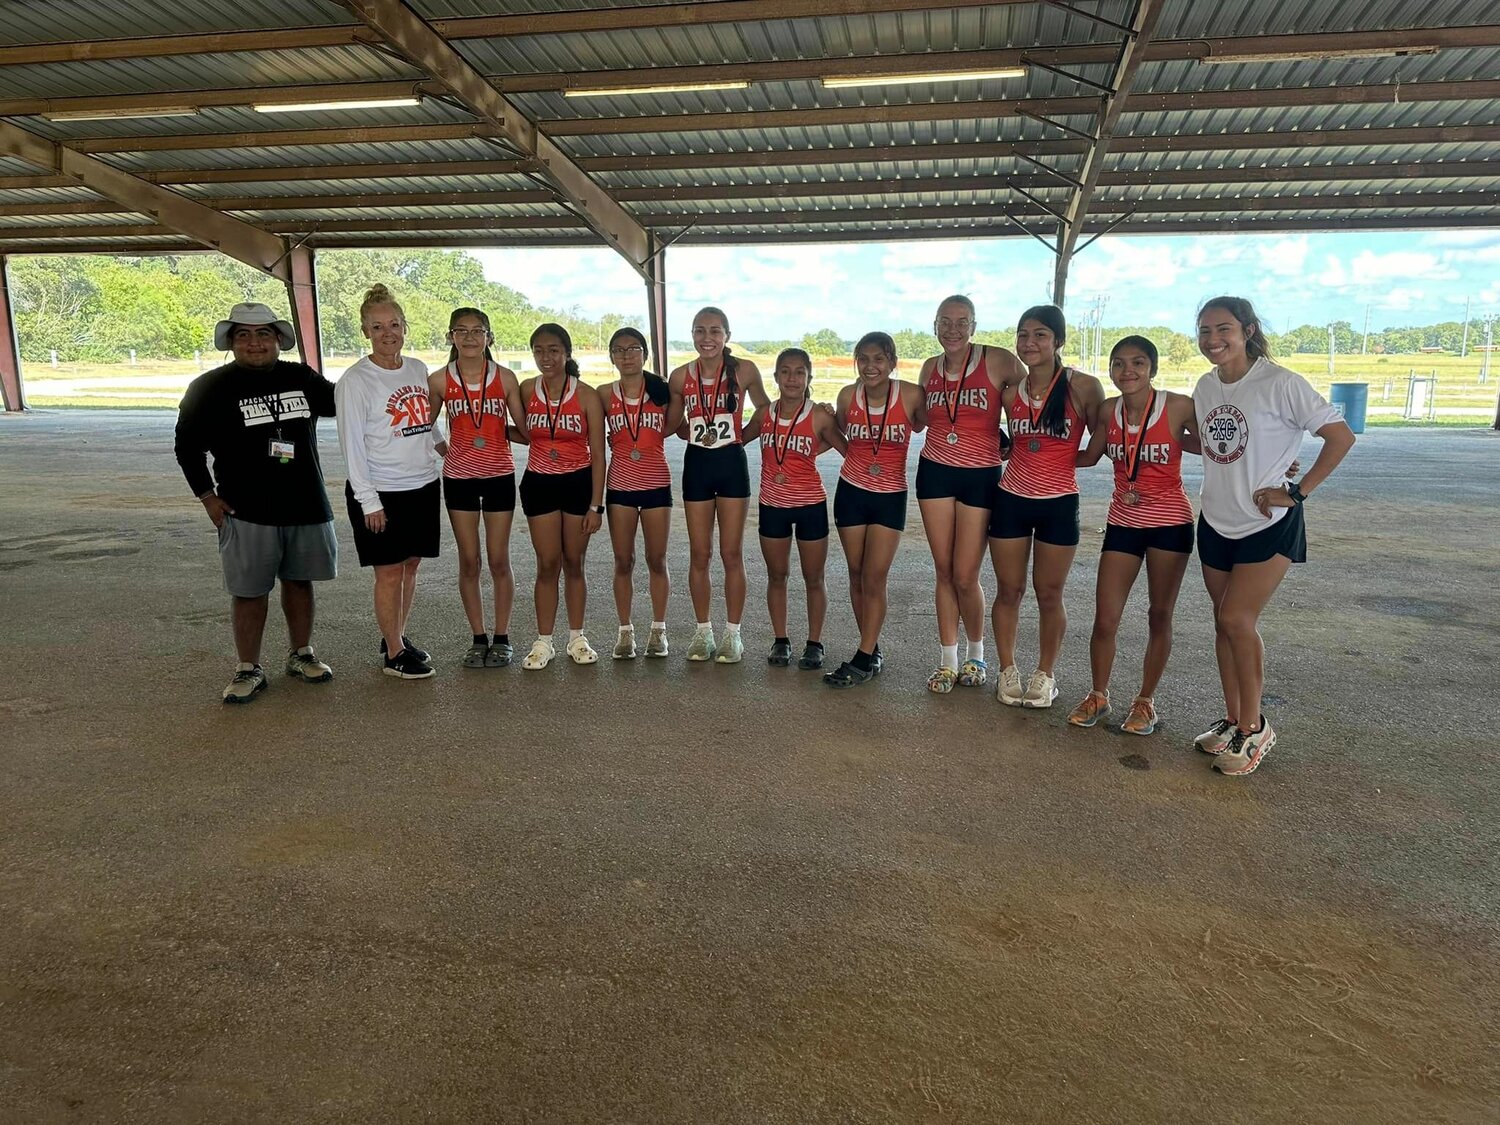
663	893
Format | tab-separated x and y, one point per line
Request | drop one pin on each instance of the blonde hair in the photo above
378	295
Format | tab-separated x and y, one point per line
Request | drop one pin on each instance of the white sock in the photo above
950	656
628	628
305	650
546	637
659	626
976	649
705	627
731	628
574	634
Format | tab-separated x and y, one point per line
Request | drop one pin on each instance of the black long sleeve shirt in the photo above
233	414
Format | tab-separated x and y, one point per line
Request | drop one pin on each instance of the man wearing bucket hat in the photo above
257	418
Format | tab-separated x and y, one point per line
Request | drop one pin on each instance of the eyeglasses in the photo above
948	325
628	350
468	332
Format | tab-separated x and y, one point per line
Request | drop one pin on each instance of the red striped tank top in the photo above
711	424
637	432
559	431
1157	492
481	450
1042	466
788	460
963	416
878	440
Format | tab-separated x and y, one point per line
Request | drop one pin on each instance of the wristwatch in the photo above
1294	490
599	509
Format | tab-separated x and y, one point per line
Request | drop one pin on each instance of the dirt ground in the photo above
671	893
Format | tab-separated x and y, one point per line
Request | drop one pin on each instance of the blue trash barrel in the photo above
1350	400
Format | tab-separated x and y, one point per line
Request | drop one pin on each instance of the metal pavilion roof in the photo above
1117	124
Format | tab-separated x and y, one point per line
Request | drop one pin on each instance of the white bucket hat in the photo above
249	312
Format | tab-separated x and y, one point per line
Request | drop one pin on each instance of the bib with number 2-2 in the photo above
721	425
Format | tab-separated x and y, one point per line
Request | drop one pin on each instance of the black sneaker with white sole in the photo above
421	654
407	665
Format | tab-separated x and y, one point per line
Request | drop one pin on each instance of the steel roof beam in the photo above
419	42
240	240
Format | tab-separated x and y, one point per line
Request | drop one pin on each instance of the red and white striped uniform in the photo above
702	414
1042	466
635	426
878	437
557	428
465	460
968	406
1158	475
789	450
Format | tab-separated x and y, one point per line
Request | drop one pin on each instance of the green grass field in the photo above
1461	398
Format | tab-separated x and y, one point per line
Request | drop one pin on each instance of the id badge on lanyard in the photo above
283	451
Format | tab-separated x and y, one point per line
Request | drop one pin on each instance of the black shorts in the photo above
412	528
640	499
1287	536
854	507
809	520
708	474
545	493
1137	541
1053	520
480	494
974	487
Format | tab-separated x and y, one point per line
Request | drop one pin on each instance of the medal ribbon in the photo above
547	402
879	438
640	412
780	452
475	406
704	412
1133	454
950	401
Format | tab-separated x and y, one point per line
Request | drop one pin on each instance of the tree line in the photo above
98	309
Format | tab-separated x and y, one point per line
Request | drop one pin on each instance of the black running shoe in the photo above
421	654
407	665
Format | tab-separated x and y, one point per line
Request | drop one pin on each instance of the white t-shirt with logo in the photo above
385	429
1252	431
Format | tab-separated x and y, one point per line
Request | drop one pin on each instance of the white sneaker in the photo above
1216	739
703	647
249	679
540	656
625	645
1009	691
1245	751
582	652
1041	690
732	651
656	644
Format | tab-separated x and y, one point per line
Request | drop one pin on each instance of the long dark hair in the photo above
1053	417
1256	346
656	387
570	368
1145	345
458	314
731	364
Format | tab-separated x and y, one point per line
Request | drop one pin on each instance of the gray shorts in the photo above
256	554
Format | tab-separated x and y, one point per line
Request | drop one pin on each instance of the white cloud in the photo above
1285	256
1369	268
1334	276
1401	299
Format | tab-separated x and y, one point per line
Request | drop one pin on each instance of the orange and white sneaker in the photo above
1216	739
1247	749
1094	707
1142	717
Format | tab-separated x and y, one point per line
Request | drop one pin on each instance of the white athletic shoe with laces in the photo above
1041	690
540	656
1009	691
625	645
732	651
702	646
1216	739
656	644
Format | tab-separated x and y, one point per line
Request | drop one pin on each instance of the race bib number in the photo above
711	432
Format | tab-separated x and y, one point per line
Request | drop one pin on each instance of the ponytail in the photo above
657	389
570	369
731	395
1053	417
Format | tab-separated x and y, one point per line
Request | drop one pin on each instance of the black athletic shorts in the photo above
1053	520
640	499
854	507
1137	541
480	494
708	474
810	522
974	487
545	493
1287	536
412	528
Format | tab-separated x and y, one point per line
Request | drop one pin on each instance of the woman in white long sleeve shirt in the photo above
393	495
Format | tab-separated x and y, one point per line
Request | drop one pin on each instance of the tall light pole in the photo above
1331	349
1364	347
1464	347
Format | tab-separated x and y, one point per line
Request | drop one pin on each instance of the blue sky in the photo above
781	292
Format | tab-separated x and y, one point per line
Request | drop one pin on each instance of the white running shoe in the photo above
581	651
1009	690
540	656
656	644
1246	751
625	645
1041	690
732	651
1216	739
703	647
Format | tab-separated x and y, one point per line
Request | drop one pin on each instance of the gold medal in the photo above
1131	497
710	436
780	478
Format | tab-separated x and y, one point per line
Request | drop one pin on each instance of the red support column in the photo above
10	348
302	290
656	307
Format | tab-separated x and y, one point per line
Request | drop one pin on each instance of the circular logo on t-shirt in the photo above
1225	434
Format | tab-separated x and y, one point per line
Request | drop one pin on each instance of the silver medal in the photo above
952	438
1034	445
635	454
479	443
553	454
874	469
1132	497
